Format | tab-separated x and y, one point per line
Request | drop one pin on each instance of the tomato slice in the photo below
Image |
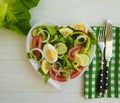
75	73
36	43
73	51
59	78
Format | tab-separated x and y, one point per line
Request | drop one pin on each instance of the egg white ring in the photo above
39	51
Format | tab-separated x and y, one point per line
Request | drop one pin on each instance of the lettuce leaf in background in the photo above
30	3
15	14
3	8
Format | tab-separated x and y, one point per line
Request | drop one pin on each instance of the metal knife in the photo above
108	54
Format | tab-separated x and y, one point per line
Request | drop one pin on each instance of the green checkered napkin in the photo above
114	70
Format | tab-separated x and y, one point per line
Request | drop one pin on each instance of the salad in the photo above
61	52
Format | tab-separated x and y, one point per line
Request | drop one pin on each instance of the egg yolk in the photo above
51	54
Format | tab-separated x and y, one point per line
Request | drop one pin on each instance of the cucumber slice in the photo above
61	48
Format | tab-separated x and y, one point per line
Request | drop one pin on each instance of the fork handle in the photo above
100	77
105	78
100	82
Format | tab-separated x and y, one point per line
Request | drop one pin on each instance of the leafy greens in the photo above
15	14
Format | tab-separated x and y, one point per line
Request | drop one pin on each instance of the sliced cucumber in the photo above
61	48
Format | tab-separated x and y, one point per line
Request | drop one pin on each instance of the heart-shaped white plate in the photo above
56	84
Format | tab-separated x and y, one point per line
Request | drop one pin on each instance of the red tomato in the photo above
73	51
36	43
59	78
75	73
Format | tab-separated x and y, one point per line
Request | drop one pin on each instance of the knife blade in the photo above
108	54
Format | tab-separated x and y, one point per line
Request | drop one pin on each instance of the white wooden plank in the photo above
12	45
50	98
19	76
64	12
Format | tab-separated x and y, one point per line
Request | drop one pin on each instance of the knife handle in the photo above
105	78
100	82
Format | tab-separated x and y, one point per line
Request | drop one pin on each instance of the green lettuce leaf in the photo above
52	29
30	3
16	14
3	8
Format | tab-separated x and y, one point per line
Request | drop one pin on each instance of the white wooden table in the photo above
19	83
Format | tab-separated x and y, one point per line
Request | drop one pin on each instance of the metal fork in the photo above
101	45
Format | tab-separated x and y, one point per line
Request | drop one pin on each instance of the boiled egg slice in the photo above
50	53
